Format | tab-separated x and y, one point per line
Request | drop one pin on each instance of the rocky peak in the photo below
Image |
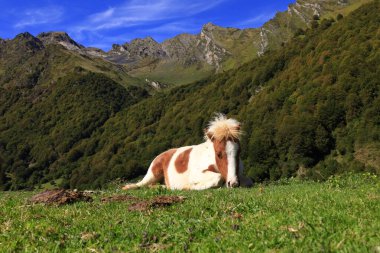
209	27
146	40
207	30
117	49
61	38
146	47
211	30
213	53
24	35
27	41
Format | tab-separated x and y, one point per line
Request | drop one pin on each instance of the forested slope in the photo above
50	98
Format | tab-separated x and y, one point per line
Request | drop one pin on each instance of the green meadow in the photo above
338	215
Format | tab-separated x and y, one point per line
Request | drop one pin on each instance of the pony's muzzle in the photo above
233	183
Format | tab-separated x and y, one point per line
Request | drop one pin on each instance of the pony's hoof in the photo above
129	187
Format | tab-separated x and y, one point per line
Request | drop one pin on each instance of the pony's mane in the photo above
220	127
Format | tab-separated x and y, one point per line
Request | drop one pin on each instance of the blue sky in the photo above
101	23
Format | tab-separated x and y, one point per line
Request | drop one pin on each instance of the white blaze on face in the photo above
232	149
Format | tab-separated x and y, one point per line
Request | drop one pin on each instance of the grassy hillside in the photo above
338	215
174	74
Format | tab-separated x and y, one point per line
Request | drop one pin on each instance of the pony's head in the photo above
225	134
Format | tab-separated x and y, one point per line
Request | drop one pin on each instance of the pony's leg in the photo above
207	179
148	179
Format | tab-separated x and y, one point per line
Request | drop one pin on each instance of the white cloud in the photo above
141	12
98	17
44	15
164	15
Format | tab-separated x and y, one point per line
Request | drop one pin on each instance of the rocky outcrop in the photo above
155	84
96	52
136	50
143	48
305	10
60	38
263	44
213	54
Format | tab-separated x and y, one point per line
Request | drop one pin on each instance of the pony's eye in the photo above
220	155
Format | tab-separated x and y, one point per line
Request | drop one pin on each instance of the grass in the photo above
341	214
173	74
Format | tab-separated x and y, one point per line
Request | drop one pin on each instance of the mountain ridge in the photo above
189	57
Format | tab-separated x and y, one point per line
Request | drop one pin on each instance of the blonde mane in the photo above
220	127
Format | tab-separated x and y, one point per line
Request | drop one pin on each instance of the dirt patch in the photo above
160	201
59	197
119	198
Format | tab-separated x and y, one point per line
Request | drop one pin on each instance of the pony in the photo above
207	165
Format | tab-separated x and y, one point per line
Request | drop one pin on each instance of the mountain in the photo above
61	38
310	109
187	58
